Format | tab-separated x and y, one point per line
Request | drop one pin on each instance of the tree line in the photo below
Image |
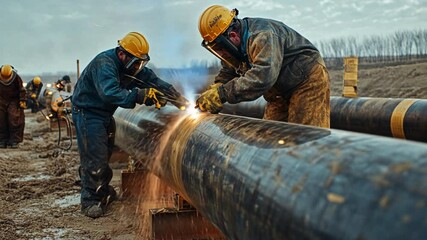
400	46
403	45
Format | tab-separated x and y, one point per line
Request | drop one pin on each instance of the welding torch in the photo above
180	103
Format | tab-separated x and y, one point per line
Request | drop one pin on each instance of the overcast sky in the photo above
50	35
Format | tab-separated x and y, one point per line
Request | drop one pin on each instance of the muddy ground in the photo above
39	198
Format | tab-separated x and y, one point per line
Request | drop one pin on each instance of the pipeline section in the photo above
392	117
257	179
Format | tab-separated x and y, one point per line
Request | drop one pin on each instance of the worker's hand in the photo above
162	100
22	104
150	96
33	96
214	85
209	101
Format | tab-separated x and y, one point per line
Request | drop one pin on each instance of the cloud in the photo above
182	2
325	2
358	7
396	11
260	5
48	36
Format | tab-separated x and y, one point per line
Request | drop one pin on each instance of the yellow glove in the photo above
161	100
23	104
209	101
150	96
33	96
214	85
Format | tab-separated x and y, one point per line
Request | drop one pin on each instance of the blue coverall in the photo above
100	90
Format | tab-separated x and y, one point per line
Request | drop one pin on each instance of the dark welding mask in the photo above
135	65
225	50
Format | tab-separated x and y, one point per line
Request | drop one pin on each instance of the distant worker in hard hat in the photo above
114	78
12	105
33	89
264	57
64	84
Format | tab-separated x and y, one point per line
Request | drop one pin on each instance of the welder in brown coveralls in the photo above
12	104
264	57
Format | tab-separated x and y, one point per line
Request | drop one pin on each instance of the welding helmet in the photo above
136	48
66	79
214	26
6	72
37	80
60	84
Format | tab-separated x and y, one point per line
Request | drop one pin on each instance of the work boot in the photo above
14	145
3	145
112	196
94	211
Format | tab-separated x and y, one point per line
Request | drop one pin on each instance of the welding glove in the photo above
162	100
33	96
150	96
22	104
214	85
209	101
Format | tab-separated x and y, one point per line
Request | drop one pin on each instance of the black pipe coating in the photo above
257	179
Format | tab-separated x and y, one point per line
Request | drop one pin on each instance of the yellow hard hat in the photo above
214	21
6	72
135	44
37	80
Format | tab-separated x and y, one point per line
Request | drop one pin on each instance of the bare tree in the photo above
399	45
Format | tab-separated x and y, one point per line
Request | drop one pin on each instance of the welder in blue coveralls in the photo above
104	85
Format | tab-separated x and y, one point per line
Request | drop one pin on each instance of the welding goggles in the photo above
136	64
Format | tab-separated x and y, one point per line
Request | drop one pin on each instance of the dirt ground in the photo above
39	198
401	81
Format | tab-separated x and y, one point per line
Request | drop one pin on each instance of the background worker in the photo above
105	84
12	105
33	89
64	84
264	57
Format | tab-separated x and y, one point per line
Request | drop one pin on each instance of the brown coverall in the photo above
285	68
12	118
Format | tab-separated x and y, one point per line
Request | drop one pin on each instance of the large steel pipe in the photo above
259	179
393	117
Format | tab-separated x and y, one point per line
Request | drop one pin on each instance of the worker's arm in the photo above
225	74
22	90
107	84
39	89
265	53
149	79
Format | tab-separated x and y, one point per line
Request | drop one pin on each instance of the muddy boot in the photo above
94	211
112	195
14	145
78	180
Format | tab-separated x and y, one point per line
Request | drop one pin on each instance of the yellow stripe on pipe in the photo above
397	117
